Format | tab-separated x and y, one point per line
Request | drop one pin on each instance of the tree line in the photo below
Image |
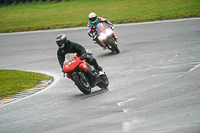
8	2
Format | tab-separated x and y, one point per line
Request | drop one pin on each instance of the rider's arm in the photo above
61	58
105	20
79	49
90	32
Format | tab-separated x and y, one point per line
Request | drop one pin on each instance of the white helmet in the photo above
92	17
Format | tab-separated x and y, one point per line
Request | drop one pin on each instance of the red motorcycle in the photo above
83	74
107	37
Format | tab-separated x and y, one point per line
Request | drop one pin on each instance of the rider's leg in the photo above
95	64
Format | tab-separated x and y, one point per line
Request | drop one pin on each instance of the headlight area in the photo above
102	36
108	32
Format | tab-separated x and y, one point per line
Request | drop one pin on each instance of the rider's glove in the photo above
84	56
112	27
87	56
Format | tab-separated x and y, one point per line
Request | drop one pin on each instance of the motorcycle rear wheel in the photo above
83	86
104	82
111	42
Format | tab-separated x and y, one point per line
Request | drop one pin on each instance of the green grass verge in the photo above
74	13
14	81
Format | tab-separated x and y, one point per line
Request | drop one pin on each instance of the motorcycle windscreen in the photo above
100	26
71	62
69	56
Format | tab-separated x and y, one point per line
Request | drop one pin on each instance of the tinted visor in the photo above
59	43
92	19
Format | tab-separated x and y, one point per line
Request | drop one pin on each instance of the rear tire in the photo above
84	86
104	83
112	43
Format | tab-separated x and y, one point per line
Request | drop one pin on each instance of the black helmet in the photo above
92	17
61	40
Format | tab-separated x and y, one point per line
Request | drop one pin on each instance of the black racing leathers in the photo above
70	47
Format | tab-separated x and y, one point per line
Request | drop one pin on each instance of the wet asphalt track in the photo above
154	82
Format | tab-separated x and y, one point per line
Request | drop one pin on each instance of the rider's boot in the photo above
104	48
99	68
94	41
116	38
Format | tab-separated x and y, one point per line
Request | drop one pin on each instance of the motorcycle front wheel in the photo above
83	85
111	42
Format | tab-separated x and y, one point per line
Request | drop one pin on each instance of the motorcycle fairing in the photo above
83	66
71	63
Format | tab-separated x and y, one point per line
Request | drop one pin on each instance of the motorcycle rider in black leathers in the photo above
67	46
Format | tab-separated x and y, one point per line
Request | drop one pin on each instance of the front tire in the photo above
83	86
111	42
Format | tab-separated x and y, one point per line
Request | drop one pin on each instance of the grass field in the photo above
13	81
74	13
